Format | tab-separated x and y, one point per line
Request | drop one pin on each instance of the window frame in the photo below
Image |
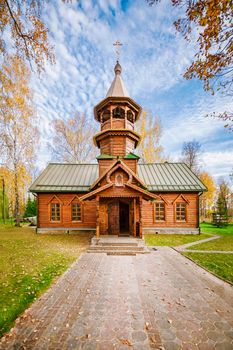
185	207
50	212
158	220
81	211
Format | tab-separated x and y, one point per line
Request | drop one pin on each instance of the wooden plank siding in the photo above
88	211
148	212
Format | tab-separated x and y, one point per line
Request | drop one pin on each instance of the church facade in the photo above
119	195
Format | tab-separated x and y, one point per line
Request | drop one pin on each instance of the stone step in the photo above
131	244
118	252
129	248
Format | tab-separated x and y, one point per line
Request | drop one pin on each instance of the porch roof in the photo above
158	177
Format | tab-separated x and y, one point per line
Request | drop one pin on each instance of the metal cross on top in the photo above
117	45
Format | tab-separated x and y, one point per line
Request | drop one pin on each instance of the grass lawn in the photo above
219	264
209	228
172	240
29	262
223	243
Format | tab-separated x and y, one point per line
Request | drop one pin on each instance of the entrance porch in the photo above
119	216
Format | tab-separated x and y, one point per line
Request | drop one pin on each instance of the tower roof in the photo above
117	88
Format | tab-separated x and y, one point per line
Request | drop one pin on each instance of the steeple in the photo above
117	113
117	87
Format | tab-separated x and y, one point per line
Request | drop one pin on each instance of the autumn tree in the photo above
191	152
211	22
18	131
20	21
207	198
72	141
150	130
224	193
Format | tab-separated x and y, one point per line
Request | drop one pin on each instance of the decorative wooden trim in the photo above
114	167
145	192
74	198
181	196
103	175
55	196
93	193
123	167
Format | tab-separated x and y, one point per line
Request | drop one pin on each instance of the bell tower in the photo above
117	114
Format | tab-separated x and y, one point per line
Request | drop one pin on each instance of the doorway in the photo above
124	218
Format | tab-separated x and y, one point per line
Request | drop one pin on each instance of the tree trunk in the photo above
17	218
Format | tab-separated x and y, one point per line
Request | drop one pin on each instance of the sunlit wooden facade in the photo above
121	197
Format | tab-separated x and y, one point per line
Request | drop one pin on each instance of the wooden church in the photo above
119	195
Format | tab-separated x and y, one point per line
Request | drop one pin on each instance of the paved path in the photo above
159	300
187	245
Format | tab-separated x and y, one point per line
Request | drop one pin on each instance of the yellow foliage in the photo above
150	130
28	34
18	131
207	199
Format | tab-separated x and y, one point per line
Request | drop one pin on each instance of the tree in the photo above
18	131
207	198
72	141
191	155
213	62
28	34
30	209
224	193
150	130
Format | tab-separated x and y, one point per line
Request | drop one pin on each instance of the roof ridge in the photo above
61	163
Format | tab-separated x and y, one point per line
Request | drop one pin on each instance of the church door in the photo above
113	218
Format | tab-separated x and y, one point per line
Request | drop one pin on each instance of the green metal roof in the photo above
159	177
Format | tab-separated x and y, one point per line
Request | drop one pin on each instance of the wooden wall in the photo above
89	210
148	213
44	200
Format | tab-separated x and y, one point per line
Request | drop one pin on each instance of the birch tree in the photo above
27	35
150	130
191	152
72	141
18	131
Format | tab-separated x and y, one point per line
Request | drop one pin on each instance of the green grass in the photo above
172	240
209	228
222	243
29	263
219	264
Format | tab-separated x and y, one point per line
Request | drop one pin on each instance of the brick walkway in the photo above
159	300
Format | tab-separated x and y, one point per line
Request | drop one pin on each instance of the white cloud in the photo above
153	60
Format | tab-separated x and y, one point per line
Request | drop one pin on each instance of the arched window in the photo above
105	115
130	116
118	113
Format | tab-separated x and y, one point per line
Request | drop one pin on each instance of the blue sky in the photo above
153	59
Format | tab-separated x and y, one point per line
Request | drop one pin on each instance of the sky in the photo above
153	59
